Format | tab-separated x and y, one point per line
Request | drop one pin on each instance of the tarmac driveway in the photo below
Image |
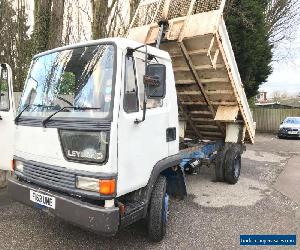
212	217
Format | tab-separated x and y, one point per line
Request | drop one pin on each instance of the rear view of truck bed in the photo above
209	88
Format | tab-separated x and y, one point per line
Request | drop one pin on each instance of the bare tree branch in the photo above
282	18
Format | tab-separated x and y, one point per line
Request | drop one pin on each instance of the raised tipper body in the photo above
209	87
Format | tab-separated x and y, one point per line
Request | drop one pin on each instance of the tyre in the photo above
158	210
219	166
232	165
3	178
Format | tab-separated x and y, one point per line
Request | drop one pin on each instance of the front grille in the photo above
49	176
289	129
60	179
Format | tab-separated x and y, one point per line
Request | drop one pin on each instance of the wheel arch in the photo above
168	167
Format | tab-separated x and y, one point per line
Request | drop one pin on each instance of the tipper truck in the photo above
106	130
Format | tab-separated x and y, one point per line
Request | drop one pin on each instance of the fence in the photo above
268	120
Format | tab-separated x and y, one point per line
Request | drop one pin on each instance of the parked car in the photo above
290	127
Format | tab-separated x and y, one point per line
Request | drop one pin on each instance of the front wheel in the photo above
3	178
158	210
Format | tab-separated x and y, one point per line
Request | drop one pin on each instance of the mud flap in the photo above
176	185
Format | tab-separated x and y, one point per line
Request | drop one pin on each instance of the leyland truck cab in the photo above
97	126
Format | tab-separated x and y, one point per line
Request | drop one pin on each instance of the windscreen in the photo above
295	120
81	77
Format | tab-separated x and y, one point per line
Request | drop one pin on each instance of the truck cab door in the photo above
140	145
7	113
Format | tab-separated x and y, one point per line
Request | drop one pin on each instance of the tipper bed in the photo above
209	88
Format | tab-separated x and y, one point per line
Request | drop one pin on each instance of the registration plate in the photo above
42	199
293	132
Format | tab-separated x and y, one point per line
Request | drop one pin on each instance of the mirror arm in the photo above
137	121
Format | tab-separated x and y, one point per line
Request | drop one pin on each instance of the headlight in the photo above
18	166
84	146
86	183
105	187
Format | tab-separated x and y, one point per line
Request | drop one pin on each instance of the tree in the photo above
278	96
23	47
102	10
77	21
56	24
246	24
48	24
109	18
42	13
15	43
133	6
282	18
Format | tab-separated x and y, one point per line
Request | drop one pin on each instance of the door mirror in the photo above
155	81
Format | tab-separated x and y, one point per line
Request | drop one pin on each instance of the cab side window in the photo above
4	91
151	103
131	101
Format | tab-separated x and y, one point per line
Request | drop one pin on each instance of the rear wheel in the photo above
232	165
158	210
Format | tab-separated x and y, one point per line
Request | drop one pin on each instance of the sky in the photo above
286	72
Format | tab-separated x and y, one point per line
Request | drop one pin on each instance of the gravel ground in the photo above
212	217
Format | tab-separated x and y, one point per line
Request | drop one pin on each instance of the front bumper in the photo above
287	135
104	221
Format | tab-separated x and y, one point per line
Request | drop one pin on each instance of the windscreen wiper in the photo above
22	111
25	108
45	121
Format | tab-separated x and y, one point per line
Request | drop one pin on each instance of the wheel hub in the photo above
166	207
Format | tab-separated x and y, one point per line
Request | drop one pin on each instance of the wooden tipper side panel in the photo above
203	68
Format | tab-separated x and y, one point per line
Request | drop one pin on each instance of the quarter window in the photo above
131	101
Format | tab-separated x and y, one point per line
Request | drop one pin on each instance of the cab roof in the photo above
122	43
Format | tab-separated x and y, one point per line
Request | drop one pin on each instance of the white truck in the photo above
104	131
